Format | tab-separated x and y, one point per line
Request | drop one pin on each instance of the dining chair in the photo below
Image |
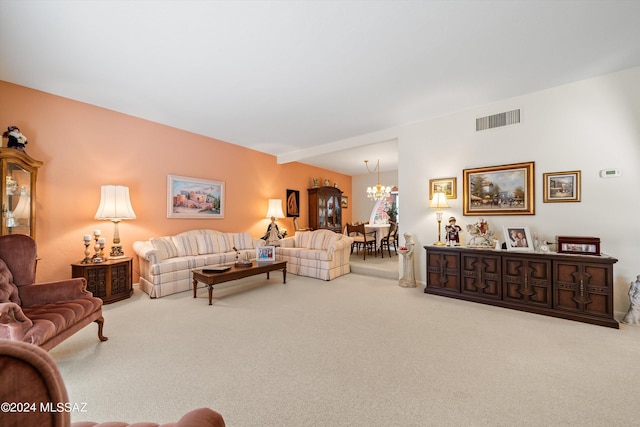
390	239
362	238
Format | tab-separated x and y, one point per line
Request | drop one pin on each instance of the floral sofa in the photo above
321	254
166	262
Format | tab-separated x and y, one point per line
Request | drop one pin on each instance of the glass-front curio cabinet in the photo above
19	172
325	208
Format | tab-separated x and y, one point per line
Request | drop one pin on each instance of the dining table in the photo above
381	231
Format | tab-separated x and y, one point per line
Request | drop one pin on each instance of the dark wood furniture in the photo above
575	287
325	209
234	273
110	280
390	239
362	239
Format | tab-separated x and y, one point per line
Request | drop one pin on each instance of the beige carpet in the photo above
356	351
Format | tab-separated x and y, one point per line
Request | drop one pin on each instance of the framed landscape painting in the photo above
561	186
194	198
499	190
443	185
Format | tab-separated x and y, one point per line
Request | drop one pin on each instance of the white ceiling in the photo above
297	78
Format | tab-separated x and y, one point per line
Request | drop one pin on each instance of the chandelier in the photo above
378	192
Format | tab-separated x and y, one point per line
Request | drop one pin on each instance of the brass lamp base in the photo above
116	252
439	242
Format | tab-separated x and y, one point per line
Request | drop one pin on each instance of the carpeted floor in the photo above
356	351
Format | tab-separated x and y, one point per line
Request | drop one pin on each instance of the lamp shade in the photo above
115	204
23	208
275	209
439	201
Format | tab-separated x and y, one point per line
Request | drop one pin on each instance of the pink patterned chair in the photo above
44	314
30	378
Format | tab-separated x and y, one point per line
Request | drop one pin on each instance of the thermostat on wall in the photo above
610	173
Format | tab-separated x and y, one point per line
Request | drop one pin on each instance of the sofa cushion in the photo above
51	319
300	254
8	291
165	247
185	245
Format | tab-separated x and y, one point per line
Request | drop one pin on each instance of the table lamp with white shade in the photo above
273	212
115	206
438	202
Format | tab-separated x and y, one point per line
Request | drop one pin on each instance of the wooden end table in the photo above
110	280
211	279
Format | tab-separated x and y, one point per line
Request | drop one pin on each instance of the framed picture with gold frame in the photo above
499	190
447	186
194	198
561	186
344	202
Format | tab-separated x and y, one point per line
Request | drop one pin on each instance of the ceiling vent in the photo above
498	120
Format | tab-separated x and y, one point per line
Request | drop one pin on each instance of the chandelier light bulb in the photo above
378	192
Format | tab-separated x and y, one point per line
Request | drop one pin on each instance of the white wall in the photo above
587	125
361	204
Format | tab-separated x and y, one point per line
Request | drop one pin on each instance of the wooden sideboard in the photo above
110	280
575	287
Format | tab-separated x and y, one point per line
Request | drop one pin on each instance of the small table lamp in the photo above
438	202
115	206
274	212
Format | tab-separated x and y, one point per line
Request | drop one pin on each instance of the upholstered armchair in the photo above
44	314
31	382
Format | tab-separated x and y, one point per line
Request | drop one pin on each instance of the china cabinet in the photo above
576	287
18	192
325	209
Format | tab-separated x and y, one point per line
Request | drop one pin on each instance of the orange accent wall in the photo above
84	146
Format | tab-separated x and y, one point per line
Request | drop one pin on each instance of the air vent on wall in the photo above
497	120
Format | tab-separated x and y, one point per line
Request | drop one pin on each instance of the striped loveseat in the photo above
321	254
166	262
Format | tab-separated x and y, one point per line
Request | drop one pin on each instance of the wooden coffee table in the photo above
211	279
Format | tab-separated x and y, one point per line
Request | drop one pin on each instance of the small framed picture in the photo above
443	185
518	238
561	186
293	203
344	202
266	253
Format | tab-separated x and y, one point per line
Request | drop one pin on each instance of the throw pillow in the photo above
242	241
165	247
213	242
185	245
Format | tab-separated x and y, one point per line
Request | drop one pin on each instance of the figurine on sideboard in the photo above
453	232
